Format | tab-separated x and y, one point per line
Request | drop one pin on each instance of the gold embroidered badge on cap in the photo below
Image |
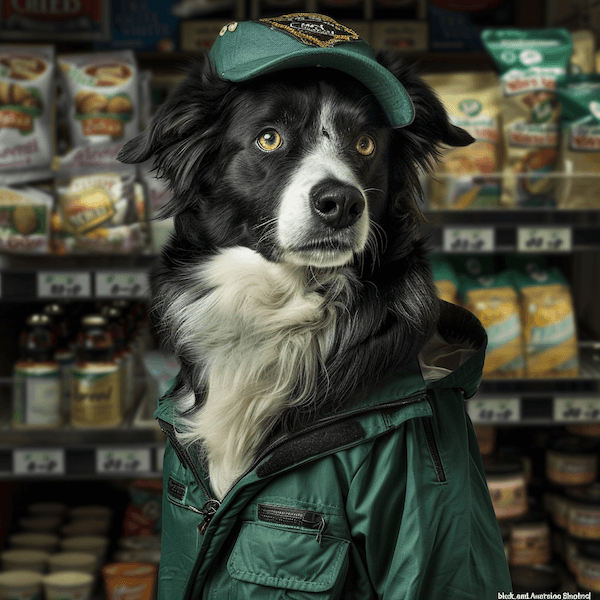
313	29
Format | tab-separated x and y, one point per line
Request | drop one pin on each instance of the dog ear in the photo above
181	133
431	128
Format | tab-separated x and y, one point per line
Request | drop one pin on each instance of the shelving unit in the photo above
135	448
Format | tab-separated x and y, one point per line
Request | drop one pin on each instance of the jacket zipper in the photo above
433	448
282	515
212	505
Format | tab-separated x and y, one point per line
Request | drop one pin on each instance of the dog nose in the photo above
337	204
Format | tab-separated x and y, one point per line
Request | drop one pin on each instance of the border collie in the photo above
296	279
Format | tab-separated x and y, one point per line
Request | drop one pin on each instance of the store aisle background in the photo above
68	239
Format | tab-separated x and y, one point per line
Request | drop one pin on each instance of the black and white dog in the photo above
296	279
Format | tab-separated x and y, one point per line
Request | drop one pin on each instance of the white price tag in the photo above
495	410
39	462
544	239
576	409
122	460
469	239
111	284
63	285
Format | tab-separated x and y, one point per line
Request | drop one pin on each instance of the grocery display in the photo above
515	221
84	550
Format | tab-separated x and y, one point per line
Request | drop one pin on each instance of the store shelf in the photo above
85	283
133	449
548	231
542	401
107	460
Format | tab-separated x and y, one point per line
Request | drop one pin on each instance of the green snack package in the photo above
530	63
579	96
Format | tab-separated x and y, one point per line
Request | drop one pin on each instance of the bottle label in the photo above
95	397
36	396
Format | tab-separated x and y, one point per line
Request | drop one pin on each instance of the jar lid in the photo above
590	550
111	312
536	578
38	319
54	310
501	466
586	495
572	445
93	321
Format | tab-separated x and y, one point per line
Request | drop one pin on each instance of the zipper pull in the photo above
208	510
314	520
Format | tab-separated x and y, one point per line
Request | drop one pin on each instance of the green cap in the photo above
248	49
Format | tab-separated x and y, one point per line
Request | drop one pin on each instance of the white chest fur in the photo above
259	330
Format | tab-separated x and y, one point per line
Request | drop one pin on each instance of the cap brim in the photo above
390	93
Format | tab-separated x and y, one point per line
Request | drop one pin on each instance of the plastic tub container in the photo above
85	527
24	559
68	585
23	585
39	541
40	524
131	580
507	487
588	567
73	561
584	513
47	509
572	461
530	541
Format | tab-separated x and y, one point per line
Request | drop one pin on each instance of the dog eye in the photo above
269	140
365	145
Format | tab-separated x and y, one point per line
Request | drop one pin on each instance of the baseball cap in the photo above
246	49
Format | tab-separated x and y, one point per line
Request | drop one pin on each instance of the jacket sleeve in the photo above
420	515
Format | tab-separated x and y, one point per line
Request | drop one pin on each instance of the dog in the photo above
296	280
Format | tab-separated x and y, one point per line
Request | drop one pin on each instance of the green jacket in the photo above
387	499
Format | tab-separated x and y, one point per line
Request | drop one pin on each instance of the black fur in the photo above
224	193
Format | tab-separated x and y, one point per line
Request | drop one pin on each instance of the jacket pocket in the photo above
268	560
434	450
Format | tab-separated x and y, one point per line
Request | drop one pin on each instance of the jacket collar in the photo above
456	325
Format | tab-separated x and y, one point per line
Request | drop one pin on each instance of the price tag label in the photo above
544	239
469	239
63	285
120	460
575	410
39	462
495	410
111	284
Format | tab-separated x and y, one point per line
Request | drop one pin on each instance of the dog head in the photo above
302	165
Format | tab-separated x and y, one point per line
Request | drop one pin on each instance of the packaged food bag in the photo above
25	220
445	279
159	195
99	209
473	265
143	515
530	63
27	107
584	50
103	96
495	302
580	142
468	177
549	327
